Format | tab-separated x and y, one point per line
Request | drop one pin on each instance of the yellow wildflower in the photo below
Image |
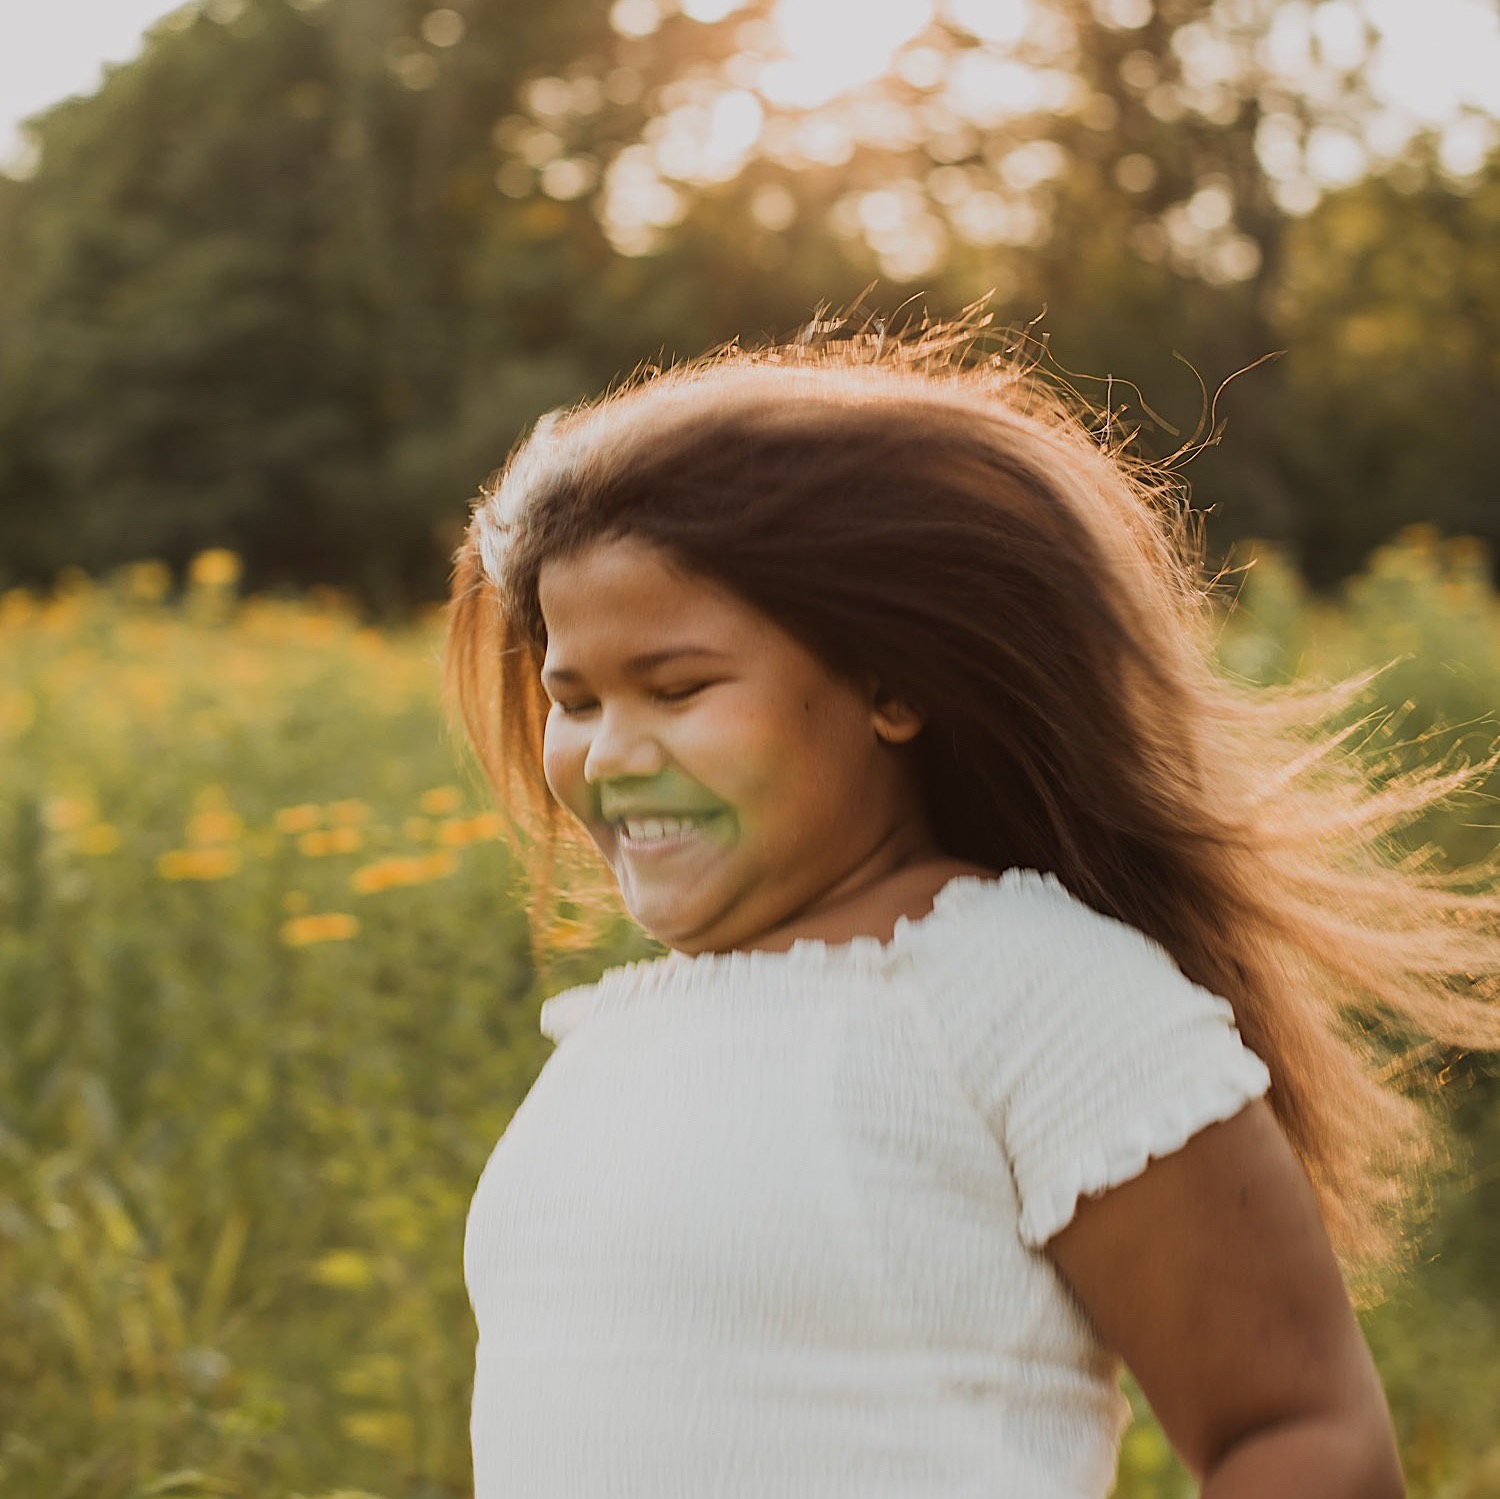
215	568
214	827
347	813
66	814
387	874
441	800
17	607
1422	538
198	863
148	582
326	926
1467	554
101	838
297	819
457	831
346	1269
319	844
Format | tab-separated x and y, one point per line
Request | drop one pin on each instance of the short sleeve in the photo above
1084	1045
567	1010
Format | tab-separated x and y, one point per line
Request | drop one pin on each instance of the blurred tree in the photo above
1109	160
293	281
162	315
238	289
263	291
1394	288
1142	169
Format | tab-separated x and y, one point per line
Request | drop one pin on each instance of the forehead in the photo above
625	595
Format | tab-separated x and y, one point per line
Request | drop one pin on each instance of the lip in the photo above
651	848
616	813
657	848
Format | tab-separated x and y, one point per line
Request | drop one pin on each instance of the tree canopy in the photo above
293	281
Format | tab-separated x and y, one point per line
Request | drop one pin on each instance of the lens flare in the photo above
831	47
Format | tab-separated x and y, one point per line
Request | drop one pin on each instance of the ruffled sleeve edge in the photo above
563	1012
1050	1208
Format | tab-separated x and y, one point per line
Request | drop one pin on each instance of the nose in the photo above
621	748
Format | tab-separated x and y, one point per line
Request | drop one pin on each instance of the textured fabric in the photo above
771	1224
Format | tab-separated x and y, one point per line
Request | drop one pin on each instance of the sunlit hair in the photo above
953	527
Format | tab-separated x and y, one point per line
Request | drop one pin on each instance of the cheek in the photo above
830	761
564	749
770	760
732	751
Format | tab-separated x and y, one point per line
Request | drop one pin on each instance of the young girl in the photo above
1006	1031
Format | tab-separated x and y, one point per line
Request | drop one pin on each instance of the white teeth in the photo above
654	829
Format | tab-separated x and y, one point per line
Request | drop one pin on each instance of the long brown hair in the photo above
955	528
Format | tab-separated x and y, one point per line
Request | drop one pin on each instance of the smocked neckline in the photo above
854	951
807	959
820	949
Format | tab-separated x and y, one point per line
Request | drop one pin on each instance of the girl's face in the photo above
731	781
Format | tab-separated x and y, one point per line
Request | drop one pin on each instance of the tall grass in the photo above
267	1000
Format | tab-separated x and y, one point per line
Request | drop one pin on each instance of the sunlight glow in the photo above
991	20
898	224
709	11
1431	78
831	47
708	140
988	89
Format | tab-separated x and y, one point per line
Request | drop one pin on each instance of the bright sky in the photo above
1437	53
51	49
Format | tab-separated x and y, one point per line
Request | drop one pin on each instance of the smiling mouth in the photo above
661	832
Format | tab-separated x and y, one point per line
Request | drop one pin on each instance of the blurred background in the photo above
277	293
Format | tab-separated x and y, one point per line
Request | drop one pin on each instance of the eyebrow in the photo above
637	665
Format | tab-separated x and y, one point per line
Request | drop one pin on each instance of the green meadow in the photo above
268	995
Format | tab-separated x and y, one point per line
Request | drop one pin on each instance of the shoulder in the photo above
1080	1039
1029	919
1022	947
977	894
569	1008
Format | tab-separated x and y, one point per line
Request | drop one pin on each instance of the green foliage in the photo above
1423	611
238	1139
267	998
293	280
1396	371
266	992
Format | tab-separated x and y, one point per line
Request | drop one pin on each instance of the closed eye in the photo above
581	706
682	694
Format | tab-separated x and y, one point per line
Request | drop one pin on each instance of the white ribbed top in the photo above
770	1224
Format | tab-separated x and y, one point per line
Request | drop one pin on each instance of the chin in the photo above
689	945
686	946
676	929
666	926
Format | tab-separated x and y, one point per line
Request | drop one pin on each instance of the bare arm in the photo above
1212	1277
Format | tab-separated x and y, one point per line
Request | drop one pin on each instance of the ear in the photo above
896	721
